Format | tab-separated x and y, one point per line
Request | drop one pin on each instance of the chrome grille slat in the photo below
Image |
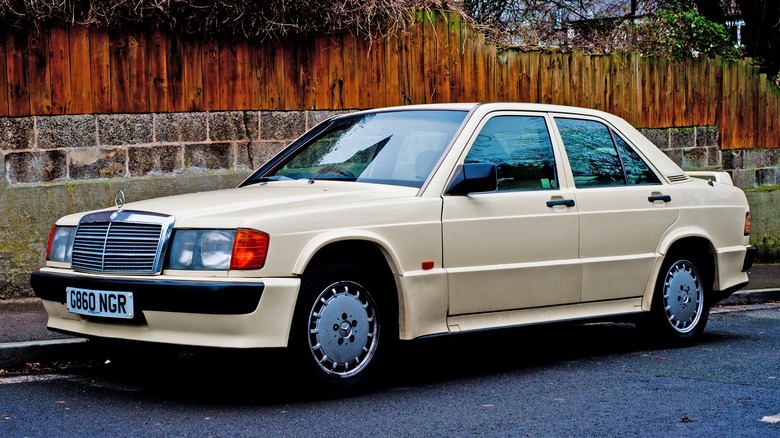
124	241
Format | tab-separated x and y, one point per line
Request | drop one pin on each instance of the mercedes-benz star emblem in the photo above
119	199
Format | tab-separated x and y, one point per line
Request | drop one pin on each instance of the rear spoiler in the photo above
717	176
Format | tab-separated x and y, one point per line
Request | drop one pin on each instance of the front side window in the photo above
599	157
399	148
521	149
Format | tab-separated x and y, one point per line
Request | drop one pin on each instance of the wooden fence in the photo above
438	58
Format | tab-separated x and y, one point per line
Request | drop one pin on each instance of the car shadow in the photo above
238	377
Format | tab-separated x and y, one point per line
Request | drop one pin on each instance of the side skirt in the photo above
540	315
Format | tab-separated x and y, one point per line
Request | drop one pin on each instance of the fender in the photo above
317	243
663	248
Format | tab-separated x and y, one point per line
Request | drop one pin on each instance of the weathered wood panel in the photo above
435	58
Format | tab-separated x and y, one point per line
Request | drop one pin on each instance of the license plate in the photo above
108	304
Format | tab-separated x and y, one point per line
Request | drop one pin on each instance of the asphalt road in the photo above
591	380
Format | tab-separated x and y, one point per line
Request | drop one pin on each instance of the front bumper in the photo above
165	295
211	312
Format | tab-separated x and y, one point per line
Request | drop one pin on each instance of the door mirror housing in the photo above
473	178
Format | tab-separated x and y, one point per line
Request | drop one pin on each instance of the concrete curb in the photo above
756	296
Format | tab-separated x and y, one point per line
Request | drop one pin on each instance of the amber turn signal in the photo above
250	249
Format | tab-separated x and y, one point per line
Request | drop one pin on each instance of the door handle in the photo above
566	202
665	198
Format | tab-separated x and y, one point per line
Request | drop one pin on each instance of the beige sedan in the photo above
401	223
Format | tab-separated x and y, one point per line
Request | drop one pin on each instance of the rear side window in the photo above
599	157
521	149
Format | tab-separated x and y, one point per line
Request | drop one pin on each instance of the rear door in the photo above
623	205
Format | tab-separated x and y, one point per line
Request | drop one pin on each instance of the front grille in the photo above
123	242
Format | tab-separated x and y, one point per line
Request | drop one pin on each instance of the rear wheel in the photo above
680	303
343	326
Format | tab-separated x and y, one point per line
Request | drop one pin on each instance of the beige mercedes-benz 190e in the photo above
400	223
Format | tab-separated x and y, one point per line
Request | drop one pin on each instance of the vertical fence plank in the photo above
138	71
502	75
430	60
17	60
211	74
39	72
306	73
469	79
511	91
120	83
455	42
489	57
535	75
556	82
574	79
260	75
228	75
335	74
365	72
293	76
481	73
80	76
376	78
441	32
725	122
320	79
279	54
158	72
4	84
100	71
351	84
586	81
192	76
175	53
415	61
393	71
59	51
243	91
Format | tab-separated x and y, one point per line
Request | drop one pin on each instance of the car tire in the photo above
344	326
680	305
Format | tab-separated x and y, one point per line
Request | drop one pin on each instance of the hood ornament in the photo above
119	199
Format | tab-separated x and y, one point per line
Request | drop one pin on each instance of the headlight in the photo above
201	249
60	246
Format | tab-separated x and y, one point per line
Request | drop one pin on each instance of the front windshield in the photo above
398	148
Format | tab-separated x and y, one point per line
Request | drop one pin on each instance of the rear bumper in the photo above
733	265
750	257
225	312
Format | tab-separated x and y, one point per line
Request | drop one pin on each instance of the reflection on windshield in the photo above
398	148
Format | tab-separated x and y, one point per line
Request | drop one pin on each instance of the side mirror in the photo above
473	178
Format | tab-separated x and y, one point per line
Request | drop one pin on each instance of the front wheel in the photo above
680	308
342	326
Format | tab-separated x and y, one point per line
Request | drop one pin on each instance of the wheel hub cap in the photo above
683	299
343	331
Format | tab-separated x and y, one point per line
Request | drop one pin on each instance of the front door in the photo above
517	247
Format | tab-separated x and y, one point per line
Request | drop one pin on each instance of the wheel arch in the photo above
363	251
696	247
341	244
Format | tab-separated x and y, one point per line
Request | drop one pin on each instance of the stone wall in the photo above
56	165
696	148
43	149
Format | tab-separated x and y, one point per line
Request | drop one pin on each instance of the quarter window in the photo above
599	157
521	149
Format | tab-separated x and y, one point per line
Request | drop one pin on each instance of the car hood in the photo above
229	208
